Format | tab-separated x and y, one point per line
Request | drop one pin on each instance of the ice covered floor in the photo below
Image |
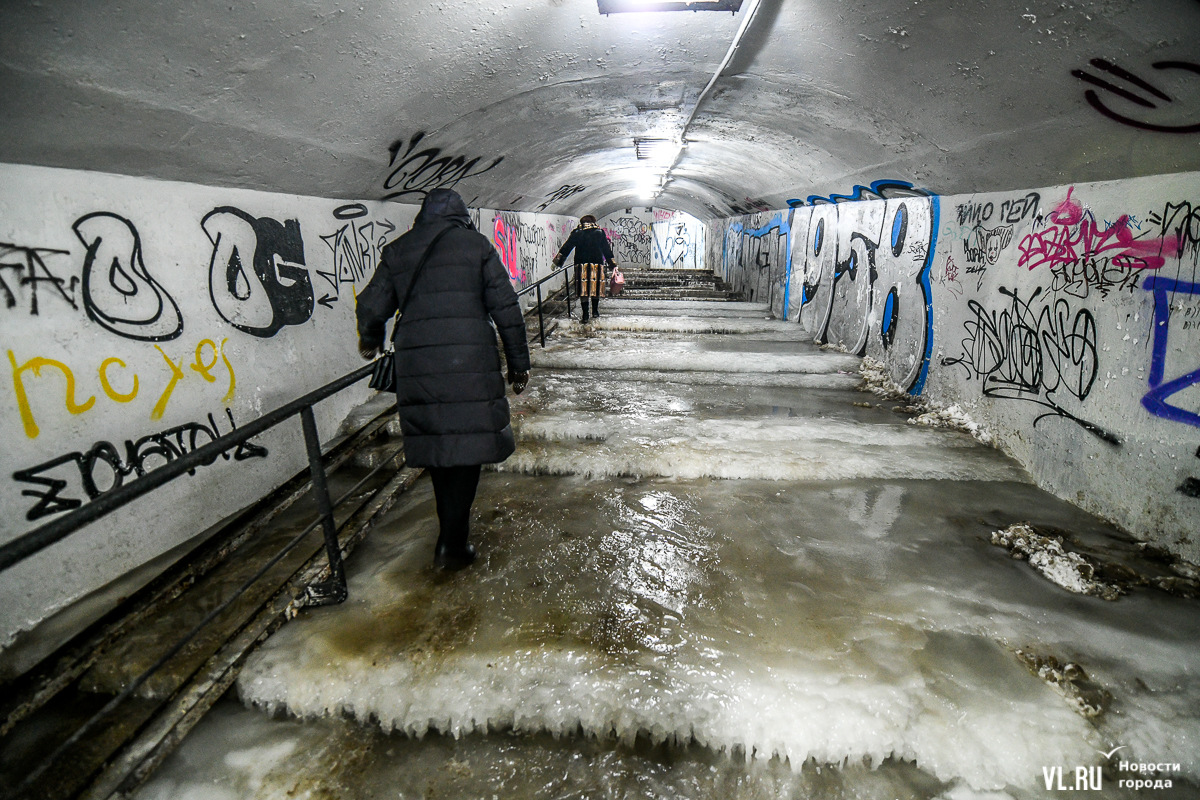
701	588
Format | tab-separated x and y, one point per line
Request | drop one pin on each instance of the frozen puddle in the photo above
711	570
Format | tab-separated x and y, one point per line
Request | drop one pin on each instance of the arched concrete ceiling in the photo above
535	104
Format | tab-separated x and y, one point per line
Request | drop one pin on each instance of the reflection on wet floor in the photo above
650	632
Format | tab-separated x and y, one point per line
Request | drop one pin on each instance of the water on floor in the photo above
637	626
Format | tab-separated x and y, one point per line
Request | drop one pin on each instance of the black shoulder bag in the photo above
383	378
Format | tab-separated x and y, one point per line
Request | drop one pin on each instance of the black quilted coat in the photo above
449	384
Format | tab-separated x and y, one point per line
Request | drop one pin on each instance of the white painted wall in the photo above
167	344
1066	320
677	241
655	238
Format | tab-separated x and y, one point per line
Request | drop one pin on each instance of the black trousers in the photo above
454	490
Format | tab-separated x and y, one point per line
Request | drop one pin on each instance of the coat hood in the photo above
444	204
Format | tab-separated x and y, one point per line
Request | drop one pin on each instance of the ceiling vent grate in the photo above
624	6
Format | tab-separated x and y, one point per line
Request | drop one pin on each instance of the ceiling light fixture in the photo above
654	149
625	6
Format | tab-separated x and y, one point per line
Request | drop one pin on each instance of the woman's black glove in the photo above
368	352
518	380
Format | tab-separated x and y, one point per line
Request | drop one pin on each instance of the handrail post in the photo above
567	290
332	591
541	323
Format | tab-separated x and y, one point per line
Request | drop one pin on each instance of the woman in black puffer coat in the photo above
449	386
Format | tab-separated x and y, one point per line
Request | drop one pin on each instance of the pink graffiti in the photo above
505	237
1073	236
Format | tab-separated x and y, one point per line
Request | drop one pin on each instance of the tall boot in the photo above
454	490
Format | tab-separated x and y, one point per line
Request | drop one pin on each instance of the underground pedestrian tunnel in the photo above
880	478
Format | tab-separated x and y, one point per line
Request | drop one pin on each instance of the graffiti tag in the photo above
141	456
118	291
1132	96
28	263
1034	355
257	278
417	173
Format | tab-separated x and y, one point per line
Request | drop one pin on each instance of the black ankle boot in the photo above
452	558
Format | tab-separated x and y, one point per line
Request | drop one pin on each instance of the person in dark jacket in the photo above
593	255
449	387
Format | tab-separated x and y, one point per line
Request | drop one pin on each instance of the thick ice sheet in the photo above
598	423
677	355
577	443
240	754
688	323
825	621
612	306
790	380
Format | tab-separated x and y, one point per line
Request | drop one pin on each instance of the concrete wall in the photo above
629	233
655	238
140	319
678	241
1065	320
526	242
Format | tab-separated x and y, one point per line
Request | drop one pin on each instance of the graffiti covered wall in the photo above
527	242
677	241
1065	320
629	233
140	320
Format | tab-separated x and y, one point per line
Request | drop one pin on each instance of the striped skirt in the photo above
591	280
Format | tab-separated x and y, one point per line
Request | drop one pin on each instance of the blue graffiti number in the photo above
1155	400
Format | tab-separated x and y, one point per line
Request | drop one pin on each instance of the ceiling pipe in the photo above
751	10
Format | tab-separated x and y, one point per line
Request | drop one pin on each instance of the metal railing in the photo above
326	592
28	544
538	286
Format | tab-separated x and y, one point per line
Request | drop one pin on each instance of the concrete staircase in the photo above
675	284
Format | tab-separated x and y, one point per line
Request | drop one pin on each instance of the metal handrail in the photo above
38	539
326	592
538	286
543	280
175	649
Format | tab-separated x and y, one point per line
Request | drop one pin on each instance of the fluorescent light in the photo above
655	149
622	6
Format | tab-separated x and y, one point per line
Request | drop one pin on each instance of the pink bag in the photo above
616	283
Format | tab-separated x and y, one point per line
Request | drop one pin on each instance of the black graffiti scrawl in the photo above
417	172
62	483
257	277
118	291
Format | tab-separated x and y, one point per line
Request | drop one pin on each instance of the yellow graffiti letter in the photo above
198	365
35	365
108	389
176	376
232	378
